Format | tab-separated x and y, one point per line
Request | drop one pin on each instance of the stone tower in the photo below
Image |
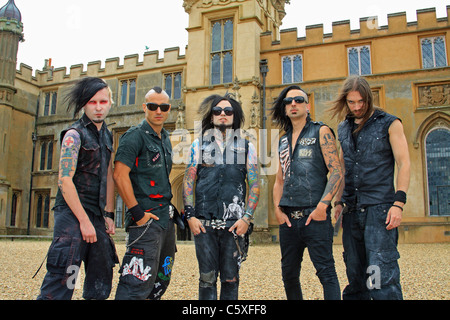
223	55
10	35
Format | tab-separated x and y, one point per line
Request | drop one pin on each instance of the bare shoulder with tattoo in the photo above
70	149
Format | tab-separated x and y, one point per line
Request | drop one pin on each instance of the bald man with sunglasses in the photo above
142	167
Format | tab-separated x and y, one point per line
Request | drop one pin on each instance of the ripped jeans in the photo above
370	255
217	253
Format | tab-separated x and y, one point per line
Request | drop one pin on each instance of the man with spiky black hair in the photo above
84	204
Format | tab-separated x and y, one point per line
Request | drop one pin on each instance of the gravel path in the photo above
425	270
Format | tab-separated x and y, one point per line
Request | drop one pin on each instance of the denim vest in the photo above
369	161
92	167
304	169
221	180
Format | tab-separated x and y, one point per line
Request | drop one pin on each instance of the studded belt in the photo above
217	223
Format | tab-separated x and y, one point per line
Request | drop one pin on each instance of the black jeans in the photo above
147	265
67	251
370	250
217	252
318	238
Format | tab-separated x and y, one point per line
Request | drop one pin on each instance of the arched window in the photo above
42	209
437	153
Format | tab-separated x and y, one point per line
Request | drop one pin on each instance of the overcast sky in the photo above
72	32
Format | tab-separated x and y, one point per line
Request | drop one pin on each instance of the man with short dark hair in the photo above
85	199
142	167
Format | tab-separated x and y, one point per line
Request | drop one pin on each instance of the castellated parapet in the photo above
369	28
112	68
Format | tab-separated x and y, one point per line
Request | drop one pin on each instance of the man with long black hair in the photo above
302	192
221	165
85	199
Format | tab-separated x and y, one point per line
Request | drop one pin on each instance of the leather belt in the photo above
217	223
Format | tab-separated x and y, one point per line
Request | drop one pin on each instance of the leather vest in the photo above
304	169
221	180
369	161
92	167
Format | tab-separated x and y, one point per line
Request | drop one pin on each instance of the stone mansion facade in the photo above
236	46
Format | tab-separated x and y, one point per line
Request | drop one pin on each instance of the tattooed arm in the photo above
338	209
253	194
190	176
70	149
329	152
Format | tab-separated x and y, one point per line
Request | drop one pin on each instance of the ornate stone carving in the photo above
187	5
181	123
436	95
254	112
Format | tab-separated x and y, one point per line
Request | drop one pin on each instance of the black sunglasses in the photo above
154	106
217	111
297	99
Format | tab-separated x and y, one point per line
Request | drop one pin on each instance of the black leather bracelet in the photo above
336	203
394	205
189	212
108	214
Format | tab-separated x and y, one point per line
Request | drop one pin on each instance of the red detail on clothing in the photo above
152	183
137	161
156	196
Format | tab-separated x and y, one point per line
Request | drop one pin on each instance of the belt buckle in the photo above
218	224
297	215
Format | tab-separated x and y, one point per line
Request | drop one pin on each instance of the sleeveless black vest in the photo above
221	180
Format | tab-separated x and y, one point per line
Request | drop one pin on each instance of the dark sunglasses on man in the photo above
297	99
154	106
217	111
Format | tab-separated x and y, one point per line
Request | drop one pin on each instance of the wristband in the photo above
189	212
136	213
394	205
108	214
337	203
248	215
400	196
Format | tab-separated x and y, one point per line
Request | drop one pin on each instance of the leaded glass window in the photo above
127	92
437	144
222	51
292	68
433	52
50	100
42	209
359	60
172	85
